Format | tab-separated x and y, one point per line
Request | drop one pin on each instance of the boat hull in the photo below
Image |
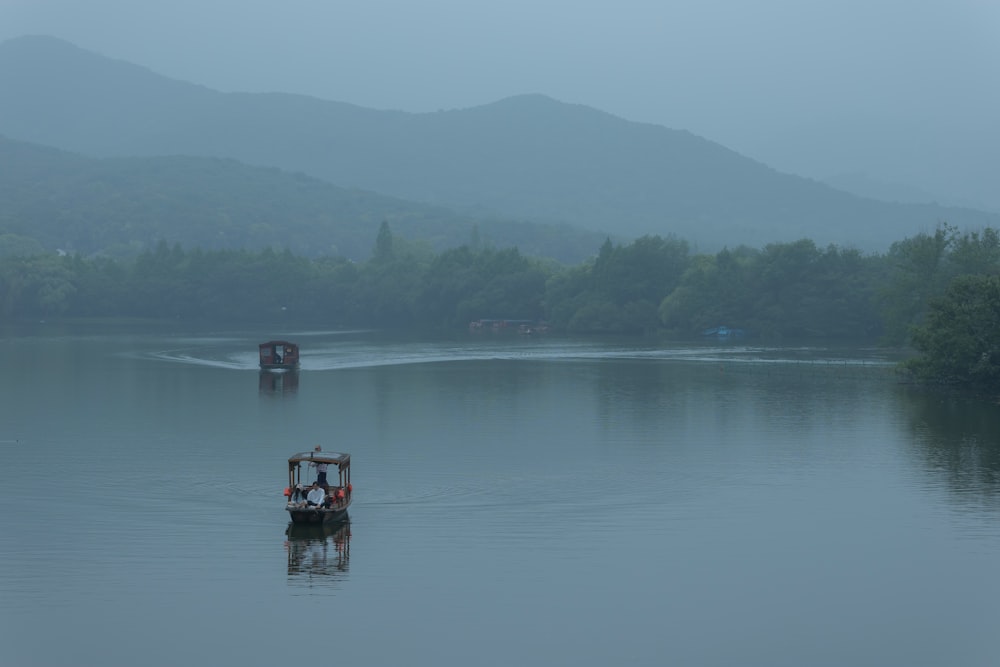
319	531
311	516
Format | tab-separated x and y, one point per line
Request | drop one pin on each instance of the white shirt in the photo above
316	496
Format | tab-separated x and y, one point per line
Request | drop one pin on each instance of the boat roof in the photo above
277	342
338	458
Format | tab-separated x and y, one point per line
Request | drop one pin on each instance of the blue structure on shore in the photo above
723	332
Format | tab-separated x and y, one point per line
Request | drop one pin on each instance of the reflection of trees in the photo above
318	555
960	437
723	387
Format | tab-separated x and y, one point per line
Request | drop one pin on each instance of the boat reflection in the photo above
281	382
318	555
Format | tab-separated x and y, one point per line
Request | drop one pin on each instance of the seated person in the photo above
316	495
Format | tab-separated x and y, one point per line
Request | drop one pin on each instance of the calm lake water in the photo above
518	501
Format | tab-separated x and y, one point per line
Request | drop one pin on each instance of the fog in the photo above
903	93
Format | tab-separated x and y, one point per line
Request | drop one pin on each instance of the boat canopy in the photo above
275	343
336	458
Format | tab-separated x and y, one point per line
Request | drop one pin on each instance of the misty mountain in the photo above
527	157
864	185
122	206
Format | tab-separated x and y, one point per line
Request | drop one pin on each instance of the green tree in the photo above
463	284
960	340
13	245
620	291
37	286
714	290
383	244
976	252
918	273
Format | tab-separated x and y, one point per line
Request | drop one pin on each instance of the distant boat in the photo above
336	497
279	355
521	326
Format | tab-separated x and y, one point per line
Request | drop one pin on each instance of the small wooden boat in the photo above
279	355
307	471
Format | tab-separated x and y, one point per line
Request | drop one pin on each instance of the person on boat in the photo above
316	495
320	469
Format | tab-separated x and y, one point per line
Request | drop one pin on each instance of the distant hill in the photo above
527	157
863	185
121	206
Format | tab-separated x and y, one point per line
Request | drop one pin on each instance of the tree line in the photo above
916	293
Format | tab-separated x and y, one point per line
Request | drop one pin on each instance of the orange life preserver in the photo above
288	492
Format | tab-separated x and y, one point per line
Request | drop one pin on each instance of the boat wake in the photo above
232	354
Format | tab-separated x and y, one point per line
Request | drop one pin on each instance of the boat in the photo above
279	355
336	498
521	326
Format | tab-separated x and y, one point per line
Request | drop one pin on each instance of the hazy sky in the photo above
905	90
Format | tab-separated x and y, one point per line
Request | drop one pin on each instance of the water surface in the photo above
519	500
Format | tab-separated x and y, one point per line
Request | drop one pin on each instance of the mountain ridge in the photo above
58	200
526	157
